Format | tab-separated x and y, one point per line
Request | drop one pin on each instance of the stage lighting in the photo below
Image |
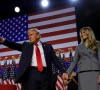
74	0
44	3
17	9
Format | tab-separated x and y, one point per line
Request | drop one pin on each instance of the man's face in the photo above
33	36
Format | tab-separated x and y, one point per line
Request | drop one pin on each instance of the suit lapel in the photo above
30	50
30	47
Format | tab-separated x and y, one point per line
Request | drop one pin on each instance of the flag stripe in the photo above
58	32
53	22
62	36
63	40
51	17
53	29
60	82
50	13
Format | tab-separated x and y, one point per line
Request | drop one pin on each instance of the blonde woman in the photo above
87	58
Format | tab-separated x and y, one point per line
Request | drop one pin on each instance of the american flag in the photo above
57	27
5	73
12	72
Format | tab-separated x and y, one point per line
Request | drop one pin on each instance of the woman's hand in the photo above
72	75
65	82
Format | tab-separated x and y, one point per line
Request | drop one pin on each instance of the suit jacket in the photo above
25	61
85	59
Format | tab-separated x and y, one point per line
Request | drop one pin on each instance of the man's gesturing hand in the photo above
2	40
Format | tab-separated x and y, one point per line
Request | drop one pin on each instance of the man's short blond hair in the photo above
35	30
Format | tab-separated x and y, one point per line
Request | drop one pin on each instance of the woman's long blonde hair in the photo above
90	36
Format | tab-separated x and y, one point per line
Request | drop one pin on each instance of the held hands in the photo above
65	79
65	76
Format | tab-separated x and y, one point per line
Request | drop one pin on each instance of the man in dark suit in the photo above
35	69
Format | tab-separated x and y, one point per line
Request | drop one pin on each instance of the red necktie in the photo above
39	59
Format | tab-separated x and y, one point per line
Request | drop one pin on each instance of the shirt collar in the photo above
39	43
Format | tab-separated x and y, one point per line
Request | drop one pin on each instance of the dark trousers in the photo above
72	85
54	80
36	80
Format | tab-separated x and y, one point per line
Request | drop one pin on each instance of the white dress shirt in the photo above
34	61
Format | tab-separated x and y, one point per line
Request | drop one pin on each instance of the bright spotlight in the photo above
74	0
17	9
44	3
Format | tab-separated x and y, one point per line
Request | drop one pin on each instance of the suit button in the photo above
82	53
